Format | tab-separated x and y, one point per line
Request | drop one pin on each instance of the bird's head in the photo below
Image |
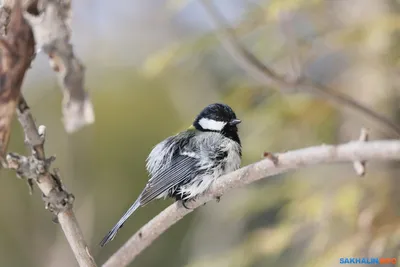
217	118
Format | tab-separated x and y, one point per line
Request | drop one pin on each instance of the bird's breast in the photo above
233	158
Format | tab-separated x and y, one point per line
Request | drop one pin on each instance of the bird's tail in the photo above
110	236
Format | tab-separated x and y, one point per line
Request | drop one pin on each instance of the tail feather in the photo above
113	232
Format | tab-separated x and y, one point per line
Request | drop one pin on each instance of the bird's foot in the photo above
186	201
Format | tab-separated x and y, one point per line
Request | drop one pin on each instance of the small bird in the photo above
184	166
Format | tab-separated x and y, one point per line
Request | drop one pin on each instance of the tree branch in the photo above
289	161
35	168
17	52
52	33
17	49
50	21
265	75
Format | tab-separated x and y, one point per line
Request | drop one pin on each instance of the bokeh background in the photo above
151	66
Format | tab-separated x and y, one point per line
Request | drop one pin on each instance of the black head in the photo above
218	118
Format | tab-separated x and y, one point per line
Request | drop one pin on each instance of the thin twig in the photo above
267	76
289	161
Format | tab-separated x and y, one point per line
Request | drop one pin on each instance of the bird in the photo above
185	165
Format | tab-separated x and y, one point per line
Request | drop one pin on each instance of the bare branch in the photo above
17	50
50	21
289	161
52	33
37	168
265	75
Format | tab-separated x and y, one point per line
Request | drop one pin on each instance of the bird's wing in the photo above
177	170
181	167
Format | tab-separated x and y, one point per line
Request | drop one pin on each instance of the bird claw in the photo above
187	201
184	205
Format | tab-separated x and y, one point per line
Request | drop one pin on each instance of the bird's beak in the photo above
234	122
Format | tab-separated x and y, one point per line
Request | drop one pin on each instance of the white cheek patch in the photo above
212	125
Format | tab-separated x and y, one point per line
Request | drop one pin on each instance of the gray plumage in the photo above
185	165
194	165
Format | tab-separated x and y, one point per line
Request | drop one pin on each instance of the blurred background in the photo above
152	66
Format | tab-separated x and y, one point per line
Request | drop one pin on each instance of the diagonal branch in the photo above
36	168
285	162
265	75
17	53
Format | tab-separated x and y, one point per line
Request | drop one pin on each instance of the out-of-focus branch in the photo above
52	32
289	161
17	50
267	76
50	21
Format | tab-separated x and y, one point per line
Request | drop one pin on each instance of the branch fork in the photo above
33	169
36	169
17	51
